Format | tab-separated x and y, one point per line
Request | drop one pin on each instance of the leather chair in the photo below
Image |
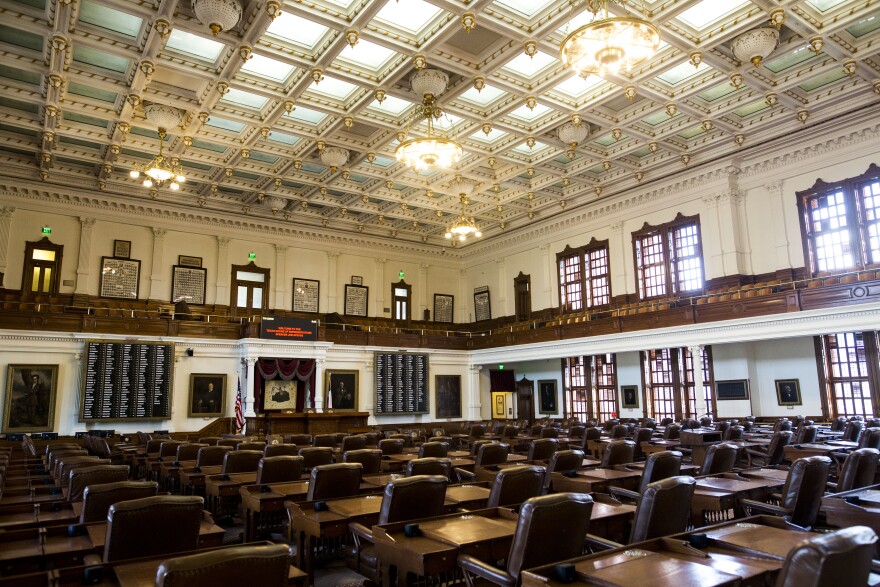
827	560
550	432
315	456
211	456
336	480
230	442
538	540
298	439
153	446
391	446
279	469
672	432
353	442
477	431
267	565
733	433
781	425
326	440
870	438
171	523
722	426
79	479
872	423
209	440
274	439
433	449
576	431
406	438
852	430
369	458
666	421
241	461
858	470
659	466
188	451
642	435
168	448
618	452
619	431
491	454
806	434
838	424
260	446
664	508
97	499
801	494
63	465
429	466
706	421
542	449
280	450
410	498
720	458
475	445
775	451
593	434
562	461
53	457
514	485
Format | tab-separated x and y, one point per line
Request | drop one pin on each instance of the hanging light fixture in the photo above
464	225
218	15
334	157
608	44
161	169
433	150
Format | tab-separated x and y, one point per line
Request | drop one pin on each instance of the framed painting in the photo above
629	396
306	293
207	393
279	396
447	390
30	398
547	399
120	278
188	284
788	392
499	405
732	389
189	261
341	390
122	249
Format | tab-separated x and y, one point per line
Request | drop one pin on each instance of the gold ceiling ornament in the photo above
777	17
736	79
389	184
245	52
562	204
360	227
304	205
468	21
802	115
486	128
223	87
433	150
755	45
685	158
245	153
479	83
218	15
598	190
671	109
320	145
496	187
204	117
187	141
530	142
850	66
530	172
323	190
877	86
289	106
629	92
379	94
55	80
334	157
325	222
371	156
201	201
343	211
566	182
531	196
707	125
502	225
277	182
606	165
317	75
227	171
352	37
695	58
160	170
348	122
639	175
576	119
265	131
608	44
771	98
346	174
739	138
273	9
531	102
133	99
531	48
531	214
420	62
653	146
616	133
102	184
429	193
365	199
51	111
297	164
214	189
492	161
816	44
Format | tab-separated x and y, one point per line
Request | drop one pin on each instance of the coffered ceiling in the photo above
75	75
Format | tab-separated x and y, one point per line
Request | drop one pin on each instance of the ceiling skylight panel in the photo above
391	105
576	86
527	114
194	45
335	88
107	18
297	30
267	67
370	55
709	11
307	115
527	8
244	98
529	66
409	15
485	97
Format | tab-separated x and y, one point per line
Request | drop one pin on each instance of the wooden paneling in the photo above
309	423
843	294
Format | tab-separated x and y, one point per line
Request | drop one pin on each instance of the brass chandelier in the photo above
463	226
161	169
433	150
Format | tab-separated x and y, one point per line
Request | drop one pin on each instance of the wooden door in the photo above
525	400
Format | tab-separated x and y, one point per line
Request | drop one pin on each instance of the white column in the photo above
423	290
318	404
742	224
780	234
6	213
158	263
696	352
281	278
617	250
548	266
503	287
381	287
223	271
463	303
728	232
248	396
332	282
475	405
85	249
710	236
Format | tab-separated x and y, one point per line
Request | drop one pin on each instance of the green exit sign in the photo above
252	256
401	274
46	230
501	367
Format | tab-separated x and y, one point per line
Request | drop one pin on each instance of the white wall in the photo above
550	369
629	372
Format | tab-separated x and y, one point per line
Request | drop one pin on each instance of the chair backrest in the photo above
324	440
719	458
251	445
872	423
565	460
514	485
241	461
315	456
776	448
433	449
642	435
429	466
274	439
542	449
706	421
369	458
299	439
477	431
63	464
419	496
97	499
659	466
391	446
593	434
230	442
79	479
280	450
618	452
722	426
858	469
279	469
210	440
664	508
619	431
870	438
336	480
806	434
491	454
153	526
576	431
267	565
153	445
168	448
405	438
550	432
550	528
852	430
188	451
211	456
838	424
838	558
782	424
734	433
353	442
803	489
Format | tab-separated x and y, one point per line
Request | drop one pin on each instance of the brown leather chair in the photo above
298	439
852	430
720	458
429	466
281	450
153	526
618	452
537	540
369	458
659	466
774	453
562	461
542	449
168	449
576	431
353	442
241	461
433	449
476	444
641	435
391	446
733	433
550	432
491	454
806	434
274	439
63	466
858	470
828	560
260	446
315	456
592	434
619	431
211	456
53	457
514	485
410	498
870	438
782	425
210	440
664	508
279	469
406	438
153	446
97	499
801	494
79	479
706	421
336	480
838	424
266	565
324	440
188	451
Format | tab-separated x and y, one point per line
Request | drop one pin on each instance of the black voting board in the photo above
127	380
401	383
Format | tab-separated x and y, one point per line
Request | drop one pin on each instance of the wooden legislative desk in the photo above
305	423
698	441
718	496
857	507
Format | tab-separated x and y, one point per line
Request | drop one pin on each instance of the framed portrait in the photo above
356	300
188	283
120	278
188	261
629	396
306	293
279	396
788	392
732	389
207	395
547	400
341	390
499	404
30	398
357	280
447	391
443	308
482	305
122	249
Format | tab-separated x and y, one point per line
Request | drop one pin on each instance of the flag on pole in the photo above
239	413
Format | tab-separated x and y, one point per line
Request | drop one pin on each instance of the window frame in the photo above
684	385
595	393
407	300
586	279
30	264
827	380
251	267
672	287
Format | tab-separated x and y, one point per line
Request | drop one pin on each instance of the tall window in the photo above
850	363
401	293
840	223
591	386
250	287
42	264
669	258
673	388
584	280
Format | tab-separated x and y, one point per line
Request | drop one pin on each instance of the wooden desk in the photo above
192	482
865	512
761	473
802	451
716	498
472	496
263	512
221	495
698	441
651	446
614	478
29	516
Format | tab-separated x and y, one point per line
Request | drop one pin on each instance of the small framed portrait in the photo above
207	393
447	389
279	396
547	400
30	398
732	389
189	261
629	396
341	388
788	392
122	249
499	404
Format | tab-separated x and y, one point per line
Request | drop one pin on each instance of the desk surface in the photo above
467	529
774	542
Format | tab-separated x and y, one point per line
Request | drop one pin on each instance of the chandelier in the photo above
218	15
161	169
609	44
434	150
464	225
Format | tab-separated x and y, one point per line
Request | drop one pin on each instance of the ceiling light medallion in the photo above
218	15
352	37
531	48
572	135
479	83
609	44
468	21
696	58
433	150
334	157
755	45
379	94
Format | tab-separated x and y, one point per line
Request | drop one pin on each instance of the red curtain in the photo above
502	380
286	370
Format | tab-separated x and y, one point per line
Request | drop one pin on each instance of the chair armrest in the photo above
491	573
465	476
361	531
620	492
594	543
751	505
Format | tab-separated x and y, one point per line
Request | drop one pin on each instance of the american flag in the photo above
239	412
